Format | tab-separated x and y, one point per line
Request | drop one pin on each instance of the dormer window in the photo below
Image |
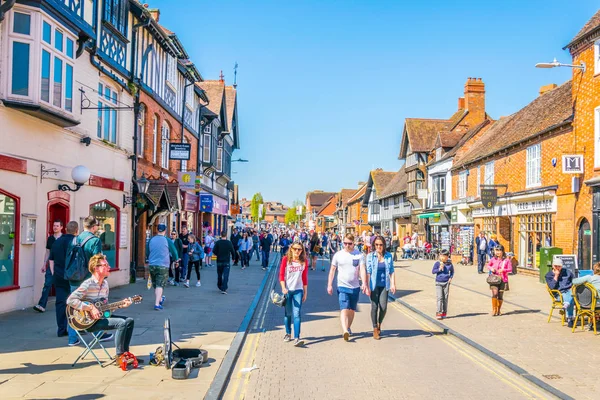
115	13
438	153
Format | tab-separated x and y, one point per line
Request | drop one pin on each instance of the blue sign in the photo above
206	202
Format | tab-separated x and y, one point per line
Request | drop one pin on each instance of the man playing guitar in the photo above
95	289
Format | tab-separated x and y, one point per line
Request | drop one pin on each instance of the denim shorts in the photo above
348	298
159	276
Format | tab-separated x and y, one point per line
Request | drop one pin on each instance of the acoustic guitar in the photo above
81	320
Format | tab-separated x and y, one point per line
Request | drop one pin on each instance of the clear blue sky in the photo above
324	86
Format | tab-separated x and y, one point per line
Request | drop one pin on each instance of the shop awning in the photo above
429	215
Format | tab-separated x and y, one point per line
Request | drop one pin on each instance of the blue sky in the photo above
324	86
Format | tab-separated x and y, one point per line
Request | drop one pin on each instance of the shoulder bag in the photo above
494	280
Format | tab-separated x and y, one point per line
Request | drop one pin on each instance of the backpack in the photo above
77	263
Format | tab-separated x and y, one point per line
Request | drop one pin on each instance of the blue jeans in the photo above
265	258
568	298
184	264
255	250
124	327
293	306
46	289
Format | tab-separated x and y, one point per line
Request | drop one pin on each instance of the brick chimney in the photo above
154	13
475	100
547	88
461	103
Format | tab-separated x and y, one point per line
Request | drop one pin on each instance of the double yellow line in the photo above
512	380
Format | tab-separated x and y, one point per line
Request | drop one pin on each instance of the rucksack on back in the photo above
77	263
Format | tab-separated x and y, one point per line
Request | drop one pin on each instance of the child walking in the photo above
444	271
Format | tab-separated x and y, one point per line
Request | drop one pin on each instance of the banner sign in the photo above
489	197
206	202
187	180
179	151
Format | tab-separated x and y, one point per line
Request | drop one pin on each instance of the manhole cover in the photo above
554	376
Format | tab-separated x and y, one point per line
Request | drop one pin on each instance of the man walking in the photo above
482	248
56	263
235	240
57	227
224	251
255	246
265	247
350	264
160	251
184	236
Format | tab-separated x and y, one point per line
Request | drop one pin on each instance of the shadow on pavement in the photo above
34	369
386	334
85	397
517	312
466	315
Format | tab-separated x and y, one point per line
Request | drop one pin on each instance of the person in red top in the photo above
293	277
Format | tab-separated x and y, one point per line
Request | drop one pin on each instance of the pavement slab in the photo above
34	363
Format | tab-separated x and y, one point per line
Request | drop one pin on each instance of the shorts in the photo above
348	299
159	276
314	253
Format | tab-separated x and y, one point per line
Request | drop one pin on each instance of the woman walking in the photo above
195	256
245	247
209	243
175	268
293	277
381	278
334	245
499	266
314	242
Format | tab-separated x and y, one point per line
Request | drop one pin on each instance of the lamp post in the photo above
80	175
555	63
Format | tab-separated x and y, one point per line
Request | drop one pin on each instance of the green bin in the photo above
546	256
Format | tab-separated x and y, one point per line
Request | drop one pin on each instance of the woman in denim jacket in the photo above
381	278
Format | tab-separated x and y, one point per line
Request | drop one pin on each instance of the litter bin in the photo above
546	256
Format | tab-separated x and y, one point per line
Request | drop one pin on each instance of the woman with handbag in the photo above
498	268
293	277
315	248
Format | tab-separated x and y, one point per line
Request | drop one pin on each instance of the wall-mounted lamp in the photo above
555	63
80	175
142	186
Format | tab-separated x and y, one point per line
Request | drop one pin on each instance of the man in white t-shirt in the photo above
350	265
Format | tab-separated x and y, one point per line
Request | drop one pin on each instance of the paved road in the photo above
412	360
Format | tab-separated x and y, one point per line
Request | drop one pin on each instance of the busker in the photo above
381	278
293	277
224	251
349	264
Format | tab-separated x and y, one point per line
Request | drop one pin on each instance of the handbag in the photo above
317	248
494	280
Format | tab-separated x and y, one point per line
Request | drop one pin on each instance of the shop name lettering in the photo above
534	205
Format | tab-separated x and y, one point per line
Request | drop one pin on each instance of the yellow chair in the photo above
557	303
585	297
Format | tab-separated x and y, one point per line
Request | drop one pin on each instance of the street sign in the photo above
489	197
179	151
572	164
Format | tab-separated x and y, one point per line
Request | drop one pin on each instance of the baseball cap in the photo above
161	227
557	261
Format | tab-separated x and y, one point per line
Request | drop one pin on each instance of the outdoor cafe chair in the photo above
585	297
557	303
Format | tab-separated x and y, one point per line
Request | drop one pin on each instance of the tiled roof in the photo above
357	196
448	138
317	199
230	95
214	91
550	110
326	204
457	117
345	195
381	179
465	137
423	132
591	25
396	186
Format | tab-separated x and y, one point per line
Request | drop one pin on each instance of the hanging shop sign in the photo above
187	180
179	151
190	202
206	202
572	164
489	197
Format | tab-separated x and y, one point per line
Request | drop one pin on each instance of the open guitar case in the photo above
181	361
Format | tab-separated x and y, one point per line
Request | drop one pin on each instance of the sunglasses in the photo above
348	243
297	248
378	244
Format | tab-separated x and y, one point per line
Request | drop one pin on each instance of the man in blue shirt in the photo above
561	279
160	250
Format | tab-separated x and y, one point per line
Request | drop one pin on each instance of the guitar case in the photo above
181	360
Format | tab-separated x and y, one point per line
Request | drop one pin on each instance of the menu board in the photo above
123	231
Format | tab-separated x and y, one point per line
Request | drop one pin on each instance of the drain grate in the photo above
552	376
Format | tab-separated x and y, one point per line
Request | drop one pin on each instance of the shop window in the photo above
9	248
489	225
107	215
535	232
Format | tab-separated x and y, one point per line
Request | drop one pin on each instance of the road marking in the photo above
476	357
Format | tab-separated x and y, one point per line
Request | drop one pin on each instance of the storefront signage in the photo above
483	212
187	180
536	206
124	228
220	206
489	197
569	262
206	203
190	202
179	151
572	164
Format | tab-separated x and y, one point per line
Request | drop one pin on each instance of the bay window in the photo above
107	115
206	148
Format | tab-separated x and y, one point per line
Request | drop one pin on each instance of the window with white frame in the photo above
184	162
165	132
462	185
107	115
597	57
534	165
57	61
439	190
206	148
189	96
597	137
21	42
154	138
220	159
141	127
207	128
172	70
489	174
438	153
479	181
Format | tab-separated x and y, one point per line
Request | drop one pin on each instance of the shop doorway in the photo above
56	211
584	245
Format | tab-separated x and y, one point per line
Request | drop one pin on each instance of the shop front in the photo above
461	233
189	214
437	227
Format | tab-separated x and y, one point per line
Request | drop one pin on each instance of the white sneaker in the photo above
287	338
186	284
198	284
